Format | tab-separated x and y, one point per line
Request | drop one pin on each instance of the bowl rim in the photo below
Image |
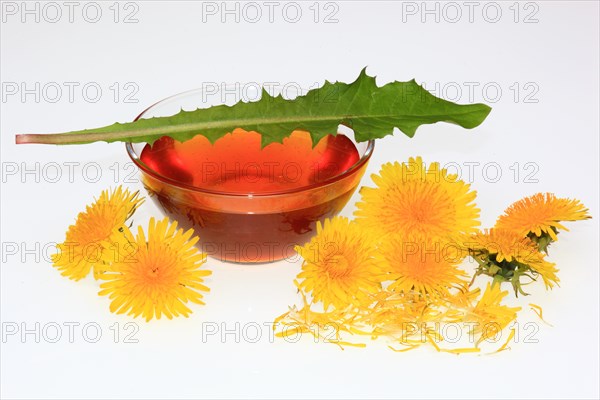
172	182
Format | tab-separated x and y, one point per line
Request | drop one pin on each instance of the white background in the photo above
171	49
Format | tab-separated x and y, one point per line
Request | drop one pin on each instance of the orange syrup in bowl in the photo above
249	203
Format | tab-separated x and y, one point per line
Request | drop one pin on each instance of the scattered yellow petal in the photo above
538	310
504	346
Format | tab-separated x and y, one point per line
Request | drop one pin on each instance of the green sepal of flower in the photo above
544	240
504	271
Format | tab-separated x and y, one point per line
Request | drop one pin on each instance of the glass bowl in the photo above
251	226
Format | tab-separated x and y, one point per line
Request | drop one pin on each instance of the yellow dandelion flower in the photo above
339	266
157	275
423	265
489	316
413	199
539	217
507	256
505	245
87	239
